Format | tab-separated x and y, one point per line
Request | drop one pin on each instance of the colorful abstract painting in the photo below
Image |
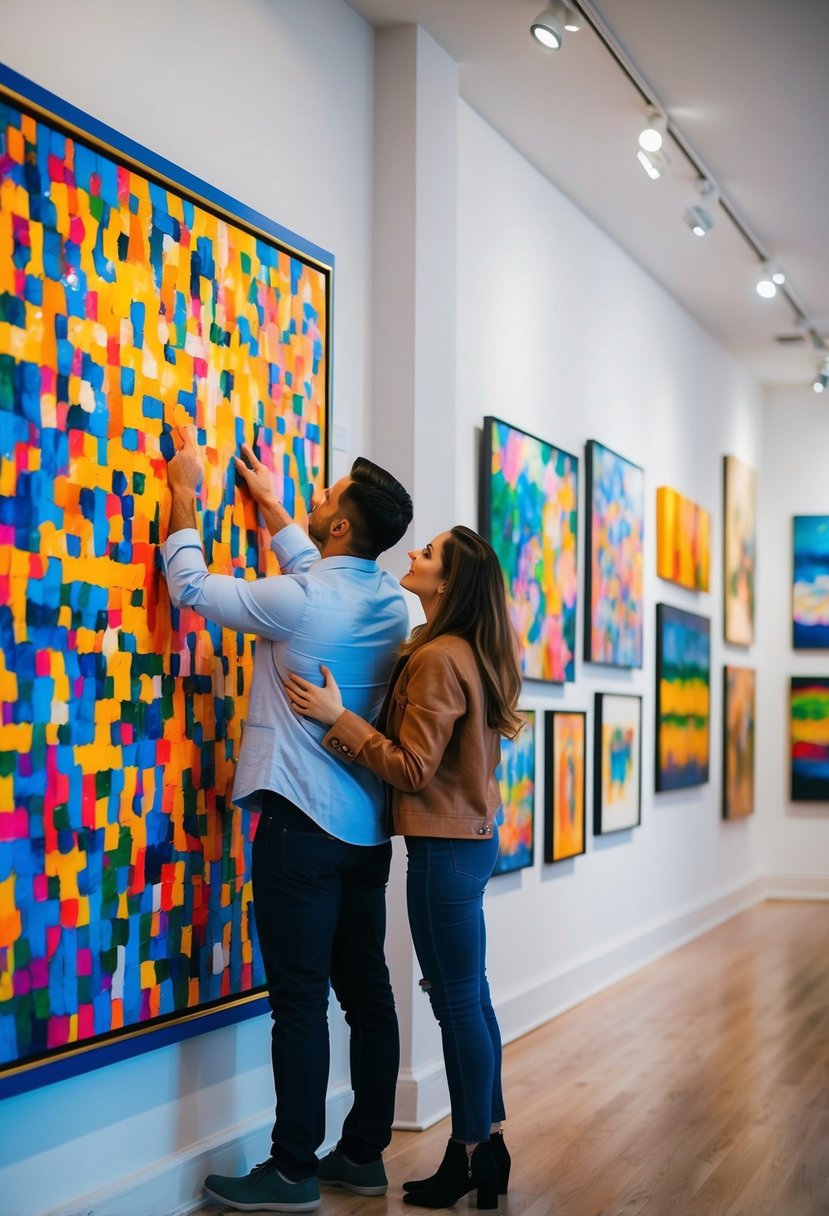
516	777
529	513
683	540
564	811
739	550
129	304
739	685
810	591
617	762
809	720
683	697
614	560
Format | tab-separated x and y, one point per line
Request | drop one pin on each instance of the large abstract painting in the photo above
810	591
683	540
617	762
739	549
614	560
528	508
739	684
564	813
516	777
809	721
683	697
132	298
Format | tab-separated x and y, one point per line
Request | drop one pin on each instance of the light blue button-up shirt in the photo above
342	611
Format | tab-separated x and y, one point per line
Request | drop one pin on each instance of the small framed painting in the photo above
810	582
809	718
683	697
683	540
739	684
614	560
739	549
529	495
617	762
516	777
564	804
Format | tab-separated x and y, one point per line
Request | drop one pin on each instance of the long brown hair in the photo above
474	607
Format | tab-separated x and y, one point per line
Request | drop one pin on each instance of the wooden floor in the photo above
697	1087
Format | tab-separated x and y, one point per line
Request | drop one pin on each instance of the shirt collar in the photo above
343	560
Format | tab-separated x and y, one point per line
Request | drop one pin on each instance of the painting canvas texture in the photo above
529	505
809	723
683	697
127	306
739	686
683	540
564	820
614	563
739	550
810	591
516	777
617	762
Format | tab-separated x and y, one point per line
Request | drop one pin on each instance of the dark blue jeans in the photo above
320	908
444	892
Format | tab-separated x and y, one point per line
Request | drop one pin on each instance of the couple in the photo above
321	854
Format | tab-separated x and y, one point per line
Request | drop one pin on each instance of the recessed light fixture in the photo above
766	286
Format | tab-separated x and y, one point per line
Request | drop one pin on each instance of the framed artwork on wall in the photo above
739	686
683	540
529	514
683	698
565	759
617	762
614	558
810	582
133	298
739	550
809	750
516	777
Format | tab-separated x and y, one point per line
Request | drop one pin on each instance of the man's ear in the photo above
340	527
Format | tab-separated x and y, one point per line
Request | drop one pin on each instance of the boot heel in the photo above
487	1197
503	1183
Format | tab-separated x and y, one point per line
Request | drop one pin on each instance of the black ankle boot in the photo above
457	1175
503	1162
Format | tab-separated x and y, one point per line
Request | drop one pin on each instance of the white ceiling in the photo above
745	82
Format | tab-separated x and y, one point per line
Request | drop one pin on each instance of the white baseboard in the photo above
797	886
422	1096
173	1186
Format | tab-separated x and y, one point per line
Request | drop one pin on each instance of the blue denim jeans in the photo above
444	890
320	907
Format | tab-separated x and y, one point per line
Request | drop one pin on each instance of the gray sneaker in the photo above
264	1190
337	1170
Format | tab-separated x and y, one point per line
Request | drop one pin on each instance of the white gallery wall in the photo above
531	314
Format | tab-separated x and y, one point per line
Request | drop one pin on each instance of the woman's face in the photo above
425	576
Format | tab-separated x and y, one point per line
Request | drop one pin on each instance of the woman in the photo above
452	695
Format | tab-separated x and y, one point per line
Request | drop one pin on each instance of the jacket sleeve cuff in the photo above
347	736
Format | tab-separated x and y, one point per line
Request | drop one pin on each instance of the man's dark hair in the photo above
378	508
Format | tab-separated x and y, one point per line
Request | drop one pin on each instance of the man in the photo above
321	854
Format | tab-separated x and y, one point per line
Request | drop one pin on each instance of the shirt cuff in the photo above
185	538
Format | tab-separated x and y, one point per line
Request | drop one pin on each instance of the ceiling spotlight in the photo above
549	26
822	377
699	218
652	135
766	286
654	163
778	278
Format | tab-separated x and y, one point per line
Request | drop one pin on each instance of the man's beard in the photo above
318	530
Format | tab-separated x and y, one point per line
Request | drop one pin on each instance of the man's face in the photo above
325	511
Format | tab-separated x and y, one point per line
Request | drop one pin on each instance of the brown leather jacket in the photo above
435	750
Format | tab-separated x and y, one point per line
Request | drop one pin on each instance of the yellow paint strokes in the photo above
102	572
10	922
14	736
95	757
